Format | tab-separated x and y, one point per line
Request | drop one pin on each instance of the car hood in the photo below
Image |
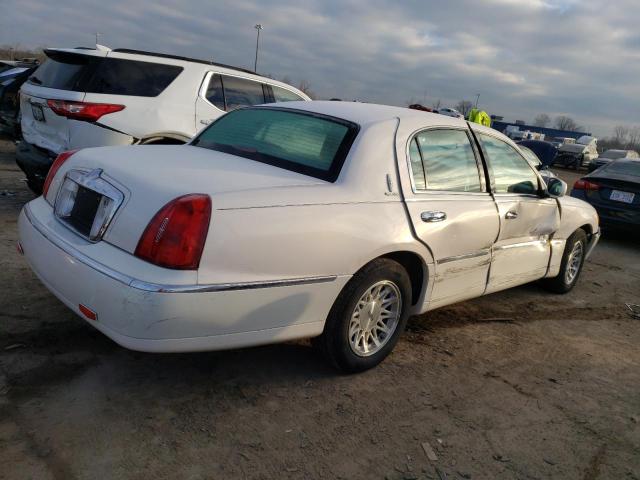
572	148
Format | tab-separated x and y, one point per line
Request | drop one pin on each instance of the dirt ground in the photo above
521	384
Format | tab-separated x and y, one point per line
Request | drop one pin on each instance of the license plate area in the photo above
624	197
37	112
84	210
86	203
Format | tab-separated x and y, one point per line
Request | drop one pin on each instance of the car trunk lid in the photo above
150	176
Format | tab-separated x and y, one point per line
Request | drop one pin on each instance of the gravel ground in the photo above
520	384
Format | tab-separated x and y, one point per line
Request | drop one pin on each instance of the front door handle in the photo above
511	215
431	217
206	122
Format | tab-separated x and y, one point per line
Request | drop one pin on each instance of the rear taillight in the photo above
175	236
55	166
88	112
585	185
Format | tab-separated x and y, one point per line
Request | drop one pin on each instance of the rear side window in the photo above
214	92
116	76
240	92
113	76
448	162
283	95
510	171
311	144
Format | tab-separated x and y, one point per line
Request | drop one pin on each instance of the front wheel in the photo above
368	317
573	258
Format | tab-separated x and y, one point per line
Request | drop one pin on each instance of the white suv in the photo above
95	97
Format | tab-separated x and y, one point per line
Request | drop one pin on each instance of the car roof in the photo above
103	52
369	113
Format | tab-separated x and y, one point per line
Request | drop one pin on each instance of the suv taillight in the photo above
175	236
55	166
84	111
585	185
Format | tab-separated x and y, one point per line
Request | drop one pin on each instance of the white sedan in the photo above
332	220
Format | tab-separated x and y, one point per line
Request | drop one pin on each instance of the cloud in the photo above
524	57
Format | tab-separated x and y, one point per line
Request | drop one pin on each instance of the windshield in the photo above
624	168
303	142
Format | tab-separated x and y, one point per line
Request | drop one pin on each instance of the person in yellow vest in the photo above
479	116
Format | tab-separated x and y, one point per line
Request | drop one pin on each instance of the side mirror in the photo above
556	188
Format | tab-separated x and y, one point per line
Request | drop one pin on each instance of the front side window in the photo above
240	92
298	141
283	95
448	162
510	171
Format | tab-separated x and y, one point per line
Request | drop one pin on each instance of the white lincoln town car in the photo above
331	220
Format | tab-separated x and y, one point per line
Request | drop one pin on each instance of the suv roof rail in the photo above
186	59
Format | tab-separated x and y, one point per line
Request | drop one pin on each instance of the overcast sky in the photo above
524	57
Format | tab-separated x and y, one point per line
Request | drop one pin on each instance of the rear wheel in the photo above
367	318
573	258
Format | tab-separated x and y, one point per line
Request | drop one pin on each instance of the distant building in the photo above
549	133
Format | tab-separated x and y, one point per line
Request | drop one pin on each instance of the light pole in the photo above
97	35
477	99
258	27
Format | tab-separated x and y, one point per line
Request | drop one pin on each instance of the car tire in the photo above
377	297
573	258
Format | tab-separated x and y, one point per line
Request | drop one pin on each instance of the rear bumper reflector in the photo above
87	312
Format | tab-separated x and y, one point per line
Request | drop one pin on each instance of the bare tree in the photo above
634	138
464	107
564	122
621	135
542	120
437	104
305	86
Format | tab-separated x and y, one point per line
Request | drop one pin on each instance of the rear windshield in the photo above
113	76
625	168
303	142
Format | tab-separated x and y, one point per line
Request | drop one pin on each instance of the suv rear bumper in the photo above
35	163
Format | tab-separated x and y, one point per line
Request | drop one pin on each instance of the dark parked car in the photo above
545	151
611	155
10	82
614	191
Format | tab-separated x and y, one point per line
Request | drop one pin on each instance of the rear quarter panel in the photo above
274	243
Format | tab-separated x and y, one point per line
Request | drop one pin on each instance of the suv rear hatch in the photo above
62	77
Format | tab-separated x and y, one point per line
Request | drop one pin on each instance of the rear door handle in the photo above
206	122
511	215
431	217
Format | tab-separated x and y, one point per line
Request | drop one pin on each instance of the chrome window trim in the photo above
165	288
91	180
483	181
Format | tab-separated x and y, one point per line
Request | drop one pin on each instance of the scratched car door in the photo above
527	219
451	211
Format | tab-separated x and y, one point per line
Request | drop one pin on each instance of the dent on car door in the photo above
527	219
451	211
